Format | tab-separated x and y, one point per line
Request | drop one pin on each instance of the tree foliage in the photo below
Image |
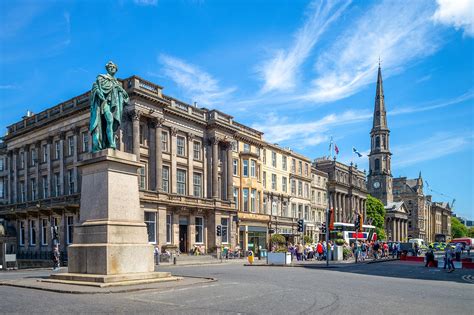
471	231
376	212
458	229
278	239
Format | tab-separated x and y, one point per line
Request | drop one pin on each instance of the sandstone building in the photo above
200	169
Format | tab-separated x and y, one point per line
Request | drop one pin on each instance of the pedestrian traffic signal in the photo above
323	228
300	225
219	230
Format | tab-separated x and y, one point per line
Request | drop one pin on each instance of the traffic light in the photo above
357	223
219	230
300	225
323	227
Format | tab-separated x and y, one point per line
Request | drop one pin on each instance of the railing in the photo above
49	113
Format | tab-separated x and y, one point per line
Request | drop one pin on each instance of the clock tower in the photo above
379	180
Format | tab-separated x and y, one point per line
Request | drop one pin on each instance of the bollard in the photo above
174	259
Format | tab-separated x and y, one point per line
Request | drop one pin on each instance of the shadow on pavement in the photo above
397	269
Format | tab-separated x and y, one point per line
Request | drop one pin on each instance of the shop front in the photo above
253	232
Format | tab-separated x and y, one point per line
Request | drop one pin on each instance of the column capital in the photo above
191	136
50	139
134	114
174	131
77	130
62	135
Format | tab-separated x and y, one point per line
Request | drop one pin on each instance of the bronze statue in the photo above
107	100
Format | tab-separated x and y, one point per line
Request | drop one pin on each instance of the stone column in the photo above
230	174
190	153
208	168
173	149
161	225
215	166
135	117
62	137
49	148
338	206
77	133
26	150
14	191
406	228
158	155
400	229
37	167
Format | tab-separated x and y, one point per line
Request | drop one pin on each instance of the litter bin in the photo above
263	253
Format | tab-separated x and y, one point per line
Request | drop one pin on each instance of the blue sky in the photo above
301	71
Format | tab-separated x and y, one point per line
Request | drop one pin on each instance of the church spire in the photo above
380	115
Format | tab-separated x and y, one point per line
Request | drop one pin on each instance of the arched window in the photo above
377	142
377	164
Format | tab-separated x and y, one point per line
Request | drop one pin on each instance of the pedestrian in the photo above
385	250
416	249
429	257
376	249
299	252
468	248
157	253
55	256
449	255
364	250
458	251
319	249
394	250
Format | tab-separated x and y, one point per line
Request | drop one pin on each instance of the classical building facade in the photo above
200	169
347	189
286	185
186	182
409	212
319	198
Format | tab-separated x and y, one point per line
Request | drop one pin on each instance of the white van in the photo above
418	241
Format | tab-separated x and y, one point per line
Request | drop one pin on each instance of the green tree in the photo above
471	231
376	212
457	228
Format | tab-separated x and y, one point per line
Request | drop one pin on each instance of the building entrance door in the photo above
183	238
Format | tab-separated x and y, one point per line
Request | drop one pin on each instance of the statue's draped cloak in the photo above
106	89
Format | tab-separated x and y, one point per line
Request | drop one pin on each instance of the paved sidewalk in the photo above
37	284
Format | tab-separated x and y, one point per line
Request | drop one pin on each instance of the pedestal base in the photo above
103	281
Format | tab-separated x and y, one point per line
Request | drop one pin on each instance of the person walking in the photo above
458	251
319	249
376	249
449	255
157	253
55	256
394	250
429	257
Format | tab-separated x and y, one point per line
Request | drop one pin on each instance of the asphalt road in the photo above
384	288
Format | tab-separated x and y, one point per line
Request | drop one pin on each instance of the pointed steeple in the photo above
380	115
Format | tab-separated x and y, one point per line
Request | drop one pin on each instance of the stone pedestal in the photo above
110	241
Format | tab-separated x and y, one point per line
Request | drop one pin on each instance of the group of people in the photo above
309	251
364	249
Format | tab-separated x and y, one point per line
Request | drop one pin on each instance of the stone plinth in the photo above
110	241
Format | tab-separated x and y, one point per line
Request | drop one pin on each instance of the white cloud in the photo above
279	129
397	32
434	105
456	13
280	72
146	2
195	83
7	87
434	147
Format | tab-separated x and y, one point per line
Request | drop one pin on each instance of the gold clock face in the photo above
376	185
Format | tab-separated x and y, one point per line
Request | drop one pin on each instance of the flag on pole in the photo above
356	152
336	149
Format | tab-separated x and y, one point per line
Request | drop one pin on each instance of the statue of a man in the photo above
107	99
